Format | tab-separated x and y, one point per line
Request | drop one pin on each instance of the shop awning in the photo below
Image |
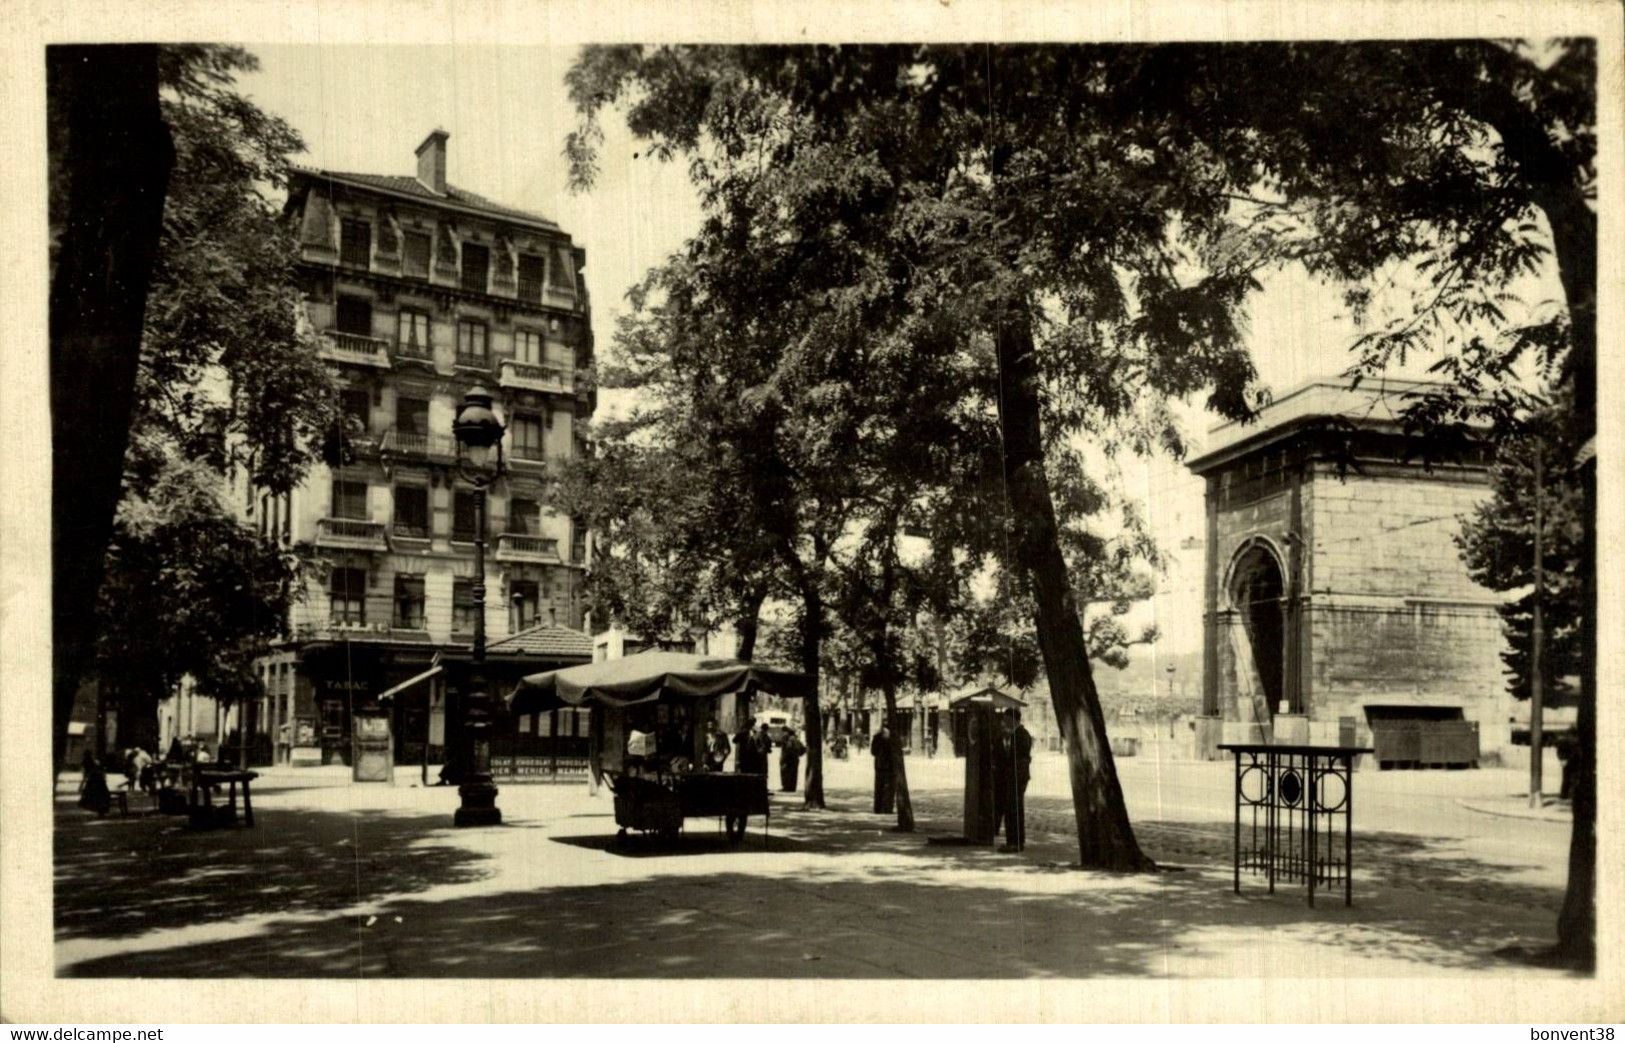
647	676
409	682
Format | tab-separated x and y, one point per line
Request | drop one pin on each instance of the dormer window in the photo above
476	266
355	243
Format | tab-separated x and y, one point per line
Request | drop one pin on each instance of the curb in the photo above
1561	817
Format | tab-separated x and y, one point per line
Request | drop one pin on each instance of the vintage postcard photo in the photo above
935	506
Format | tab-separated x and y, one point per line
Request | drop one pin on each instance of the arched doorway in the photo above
1256	589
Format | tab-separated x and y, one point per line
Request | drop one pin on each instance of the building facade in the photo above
1337	604
419	291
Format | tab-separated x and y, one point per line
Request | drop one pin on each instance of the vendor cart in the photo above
659	804
676	699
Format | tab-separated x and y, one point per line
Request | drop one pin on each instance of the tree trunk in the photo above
1574	238
1577	923
812	628
116	160
749	624
899	773
1105	837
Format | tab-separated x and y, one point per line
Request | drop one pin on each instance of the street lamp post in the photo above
479	462
1173	705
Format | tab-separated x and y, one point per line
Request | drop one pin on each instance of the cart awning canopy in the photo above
647	676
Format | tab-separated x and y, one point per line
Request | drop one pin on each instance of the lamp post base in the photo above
479	807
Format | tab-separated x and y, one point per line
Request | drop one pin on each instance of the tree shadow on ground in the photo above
1382	860
119	877
851	899
687	843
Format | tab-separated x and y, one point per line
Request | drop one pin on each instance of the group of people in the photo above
1012	770
754	748
141	772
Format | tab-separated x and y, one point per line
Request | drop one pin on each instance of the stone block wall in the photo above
1393	617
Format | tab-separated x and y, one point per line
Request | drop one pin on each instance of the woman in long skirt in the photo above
885	784
93	792
790	761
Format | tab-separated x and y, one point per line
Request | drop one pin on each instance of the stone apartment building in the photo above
1337	606
419	291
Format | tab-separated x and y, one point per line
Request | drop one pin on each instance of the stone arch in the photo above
1255	592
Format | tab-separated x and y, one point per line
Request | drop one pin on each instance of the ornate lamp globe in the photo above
479	432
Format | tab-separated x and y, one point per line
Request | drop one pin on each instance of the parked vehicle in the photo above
778	725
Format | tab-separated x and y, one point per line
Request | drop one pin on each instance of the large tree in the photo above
1142	187
1026	206
225	373
110	157
1470	166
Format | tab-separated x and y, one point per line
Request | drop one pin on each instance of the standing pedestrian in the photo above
885	785
1021	765
93	792
750	759
716	749
790	760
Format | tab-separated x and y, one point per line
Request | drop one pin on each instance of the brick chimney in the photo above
432	161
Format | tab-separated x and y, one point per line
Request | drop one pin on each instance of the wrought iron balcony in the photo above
532	377
418	446
355	349
513	546
351	534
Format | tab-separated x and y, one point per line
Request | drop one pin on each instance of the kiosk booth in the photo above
976	714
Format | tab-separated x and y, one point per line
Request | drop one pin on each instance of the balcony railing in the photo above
531	377
413	444
513	546
354	348
422	352
474	361
351	533
410	530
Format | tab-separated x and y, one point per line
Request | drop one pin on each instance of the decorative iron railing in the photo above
411	443
354	344
350	530
1294	814
535	377
518	544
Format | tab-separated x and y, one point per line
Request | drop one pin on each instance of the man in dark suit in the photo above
1019	772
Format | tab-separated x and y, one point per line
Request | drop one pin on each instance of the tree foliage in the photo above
1497	543
228	385
1101	213
229	371
189	590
